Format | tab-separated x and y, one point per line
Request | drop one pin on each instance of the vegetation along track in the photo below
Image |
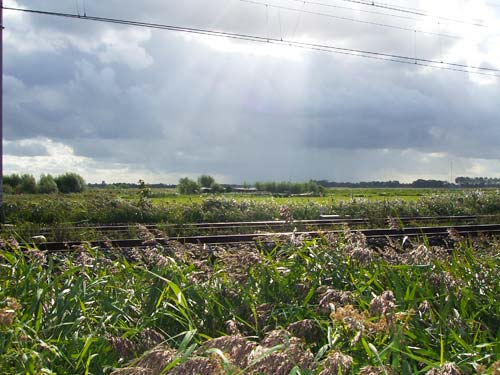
438	234
71	232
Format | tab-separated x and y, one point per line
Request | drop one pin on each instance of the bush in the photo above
206	181
188	186
27	184
70	183
47	185
11	182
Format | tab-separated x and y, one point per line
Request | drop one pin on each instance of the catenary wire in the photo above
410	11
267	5
312	46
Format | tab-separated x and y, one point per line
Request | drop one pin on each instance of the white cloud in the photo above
120	103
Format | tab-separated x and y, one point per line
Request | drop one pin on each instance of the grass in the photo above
108	206
301	307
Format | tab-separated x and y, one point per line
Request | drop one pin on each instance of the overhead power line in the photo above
355	9
254	38
267	5
415	12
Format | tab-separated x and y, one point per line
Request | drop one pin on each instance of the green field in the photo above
130	205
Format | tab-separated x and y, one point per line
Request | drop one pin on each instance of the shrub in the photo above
206	181
47	185
11	181
70	183
188	186
27	184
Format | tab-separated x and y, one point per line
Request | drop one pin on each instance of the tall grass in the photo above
107	208
349	306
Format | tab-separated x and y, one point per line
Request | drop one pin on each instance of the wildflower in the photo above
336	363
393	223
149	338
282	361
156	360
454	235
83	259
232	327
306	329
235	347
363	255
446	369
420	255
424	308
38	257
376	370
286	214
354	239
383	304
153	257
262	313
7	316
122	346
199	366
358	322
495	368
333	297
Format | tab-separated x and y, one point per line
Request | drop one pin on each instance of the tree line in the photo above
27	184
478	181
206	183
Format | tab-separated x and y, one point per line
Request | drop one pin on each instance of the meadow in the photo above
165	206
330	305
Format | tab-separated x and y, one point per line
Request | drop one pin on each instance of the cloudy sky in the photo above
119	103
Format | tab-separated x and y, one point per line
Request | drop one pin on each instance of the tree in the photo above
206	181
27	184
47	185
188	186
216	188
70	183
11	182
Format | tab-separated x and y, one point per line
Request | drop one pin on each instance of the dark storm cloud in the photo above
186	104
25	149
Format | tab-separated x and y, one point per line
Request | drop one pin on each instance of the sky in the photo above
120	103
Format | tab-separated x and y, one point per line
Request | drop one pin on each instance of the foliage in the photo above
206	181
412	311
105	206
289	187
11	182
47	185
70	183
187	186
27	184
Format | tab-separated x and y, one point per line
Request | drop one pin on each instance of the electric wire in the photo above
355	9
267	5
304	45
410	11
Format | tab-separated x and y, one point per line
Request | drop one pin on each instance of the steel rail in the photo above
265	224
379	233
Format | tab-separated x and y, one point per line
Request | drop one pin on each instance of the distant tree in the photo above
188	186
11	182
206	181
47	185
70	183
216	188
27	184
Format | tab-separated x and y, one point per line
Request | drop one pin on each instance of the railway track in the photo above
119	231
372	235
